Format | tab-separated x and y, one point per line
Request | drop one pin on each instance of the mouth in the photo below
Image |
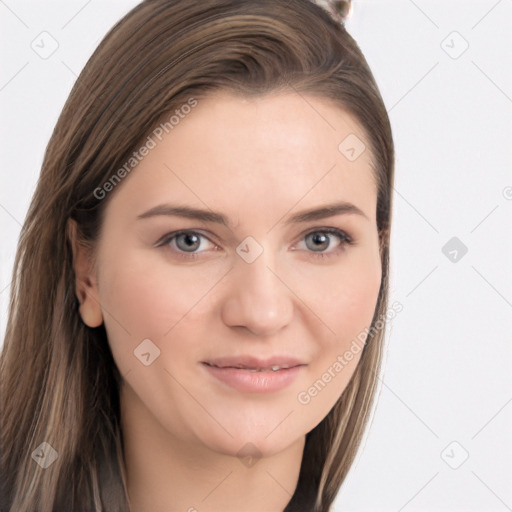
256	364
273	368
254	375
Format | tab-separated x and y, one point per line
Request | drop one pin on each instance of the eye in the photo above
320	240
185	243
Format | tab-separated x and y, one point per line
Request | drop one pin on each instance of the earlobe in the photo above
86	288
91	316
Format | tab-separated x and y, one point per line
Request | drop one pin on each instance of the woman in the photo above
201	280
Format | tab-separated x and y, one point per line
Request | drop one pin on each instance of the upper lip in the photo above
254	363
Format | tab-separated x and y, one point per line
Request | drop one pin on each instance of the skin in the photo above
257	161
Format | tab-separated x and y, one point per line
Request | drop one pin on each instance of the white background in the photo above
448	375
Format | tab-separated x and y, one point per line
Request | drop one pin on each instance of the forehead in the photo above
231	152
275	124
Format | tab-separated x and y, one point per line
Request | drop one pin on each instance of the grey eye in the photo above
320	241
191	242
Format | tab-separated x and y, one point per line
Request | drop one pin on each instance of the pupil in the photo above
322	240
190	240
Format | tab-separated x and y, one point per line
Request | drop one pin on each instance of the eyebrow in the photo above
322	212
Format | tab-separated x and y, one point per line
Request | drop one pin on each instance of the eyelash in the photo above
345	240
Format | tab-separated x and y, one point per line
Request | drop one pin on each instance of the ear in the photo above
86	286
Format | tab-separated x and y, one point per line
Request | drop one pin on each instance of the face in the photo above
187	299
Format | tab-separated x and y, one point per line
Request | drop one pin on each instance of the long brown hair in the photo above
58	381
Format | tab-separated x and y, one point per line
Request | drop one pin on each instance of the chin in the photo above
264	437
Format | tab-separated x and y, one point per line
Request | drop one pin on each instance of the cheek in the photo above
142	299
148	296
355	303
343	296
347	308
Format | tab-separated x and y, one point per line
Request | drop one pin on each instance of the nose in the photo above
258	298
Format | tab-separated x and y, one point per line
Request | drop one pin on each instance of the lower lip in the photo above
255	382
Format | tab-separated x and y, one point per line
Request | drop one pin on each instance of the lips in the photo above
254	364
248	374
